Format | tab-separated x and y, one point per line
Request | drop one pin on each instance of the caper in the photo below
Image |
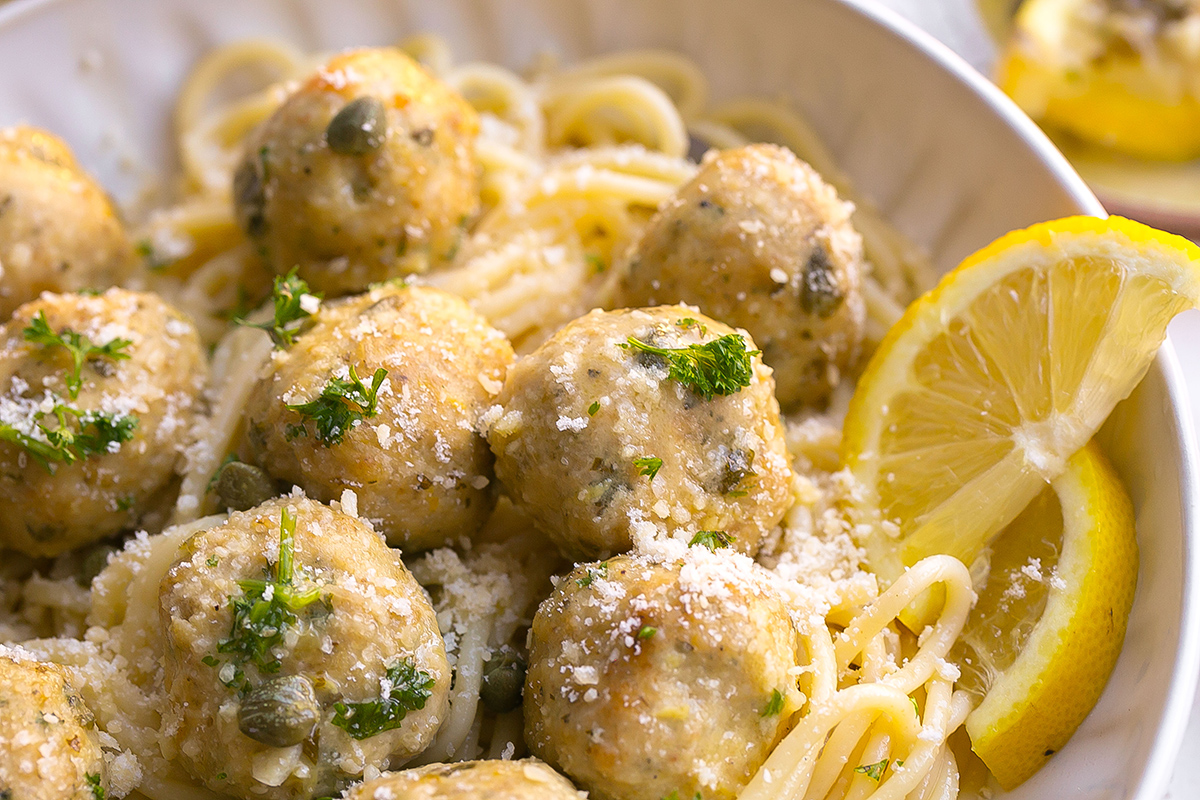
503	681
93	563
819	292
359	128
250	199
281	712
243	486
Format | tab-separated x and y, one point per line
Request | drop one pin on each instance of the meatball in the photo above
58	230
420	467
48	747
97	396
649	676
367	171
292	667
756	239
596	435
471	780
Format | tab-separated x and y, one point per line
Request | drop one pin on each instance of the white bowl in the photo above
939	149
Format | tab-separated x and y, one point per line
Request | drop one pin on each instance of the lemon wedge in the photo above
987	385
1045	634
1125	77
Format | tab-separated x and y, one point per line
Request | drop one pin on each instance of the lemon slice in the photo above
1123	79
1045	635
986	386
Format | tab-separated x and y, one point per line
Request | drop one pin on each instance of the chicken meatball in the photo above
59	231
300	651
651	676
367	171
756	239
428	366
97	396
655	416
471	780
48	746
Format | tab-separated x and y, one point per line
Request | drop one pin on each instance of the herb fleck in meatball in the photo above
97	396
654	416
471	780
299	652
367	171
648	677
48	747
409	447
59	231
756	239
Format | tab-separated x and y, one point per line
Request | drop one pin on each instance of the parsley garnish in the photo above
93	782
288	294
96	433
267	607
589	576
341	403
79	346
712	539
647	632
597	264
403	689
593	408
674	795
692	322
774	705
720	367
648	465
873	771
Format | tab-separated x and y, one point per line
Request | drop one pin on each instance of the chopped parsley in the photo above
774	705
212	561
648	465
712	539
95	432
77	345
720	367
341	403
916	708
94	783
873	771
288	296
593	408
267	607
125	503
674	795
691	322
647	632
589	575
403	689
596	263
145	249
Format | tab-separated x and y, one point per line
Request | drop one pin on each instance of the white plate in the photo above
940	150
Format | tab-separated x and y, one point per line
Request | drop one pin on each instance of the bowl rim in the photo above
1171	728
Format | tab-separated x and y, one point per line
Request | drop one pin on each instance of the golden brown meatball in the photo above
470	780
88	446
367	171
420	468
648	677
48	746
59	231
288	682
757	240
595	435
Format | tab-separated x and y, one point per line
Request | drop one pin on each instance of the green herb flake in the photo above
212	561
154	263
221	776
341	403
593	408
687	323
774	705
80	348
589	576
210	661
597	264
404	688
873	771
287	295
94	783
125	503
648	465
916	708
93	433
720	367
647	632
712	539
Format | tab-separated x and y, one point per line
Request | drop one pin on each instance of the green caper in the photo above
819	291
503	681
250	198
93	563
359	128
243	486
281	712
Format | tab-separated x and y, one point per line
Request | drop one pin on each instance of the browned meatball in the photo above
367	171
87	448
48	745
59	231
471	780
420	467
345	670
648	677
757	240
595	436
